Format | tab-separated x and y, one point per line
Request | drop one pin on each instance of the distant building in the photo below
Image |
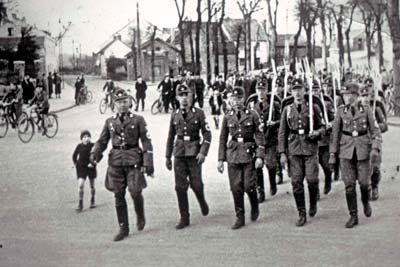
10	36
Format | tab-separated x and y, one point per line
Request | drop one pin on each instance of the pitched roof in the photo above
107	45
282	37
232	25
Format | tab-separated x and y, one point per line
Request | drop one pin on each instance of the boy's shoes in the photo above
80	206
92	204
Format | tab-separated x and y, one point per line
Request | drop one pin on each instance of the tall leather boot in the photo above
255	211
337	171
313	194
279	172
260	185
238	199
365	200
328	182
183	203
202	202
272	180
351	199
301	207
122	216
138	203
92	199
375	178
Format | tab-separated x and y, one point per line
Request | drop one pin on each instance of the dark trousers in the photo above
200	98
166	100
139	99
323	157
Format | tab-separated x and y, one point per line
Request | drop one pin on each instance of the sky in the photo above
95	21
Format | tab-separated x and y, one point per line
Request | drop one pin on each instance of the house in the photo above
10	36
166	60
113	48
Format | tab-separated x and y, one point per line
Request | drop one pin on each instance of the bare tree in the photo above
181	15
216	48
238	32
347	32
272	24
152	38
338	15
247	12
310	15
322	9
299	7
197	38
369	28
210	14
394	24
223	39
189	25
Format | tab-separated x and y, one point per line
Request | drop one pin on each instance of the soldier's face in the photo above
364	99
122	105
298	95
349	98
185	100
236	102
261	95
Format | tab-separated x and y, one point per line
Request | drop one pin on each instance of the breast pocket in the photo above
248	128
232	128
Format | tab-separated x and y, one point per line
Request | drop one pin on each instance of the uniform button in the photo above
122	133
240	130
185	128
299	121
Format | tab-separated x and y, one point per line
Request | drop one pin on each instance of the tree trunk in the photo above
153	35
380	42
182	44
223	39
208	42
193	63
249	43
197	38
134	55
296	40
368	41
348	48
245	44
324	46
237	48
394	23
309	43
216	48
340	42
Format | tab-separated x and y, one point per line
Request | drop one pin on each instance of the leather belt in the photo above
188	138
299	132
243	140
354	133
125	147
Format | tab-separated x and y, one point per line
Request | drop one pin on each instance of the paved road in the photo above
39	227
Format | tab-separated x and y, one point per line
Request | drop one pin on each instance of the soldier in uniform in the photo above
186	124
247	142
356	138
299	143
127	161
270	130
323	144
365	97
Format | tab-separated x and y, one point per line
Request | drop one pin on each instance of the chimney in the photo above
117	37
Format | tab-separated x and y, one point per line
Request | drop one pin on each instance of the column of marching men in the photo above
293	125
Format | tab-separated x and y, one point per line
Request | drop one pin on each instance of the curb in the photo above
64	109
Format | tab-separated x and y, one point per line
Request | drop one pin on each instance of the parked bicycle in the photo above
31	117
158	105
107	102
85	96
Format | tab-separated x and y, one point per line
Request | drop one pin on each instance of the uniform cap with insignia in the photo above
328	81
365	90
297	84
351	88
238	92
369	80
182	89
279	82
262	85
120	94
315	85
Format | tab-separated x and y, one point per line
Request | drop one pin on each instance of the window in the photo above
158	48
359	44
10	31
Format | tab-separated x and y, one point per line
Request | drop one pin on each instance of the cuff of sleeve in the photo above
148	158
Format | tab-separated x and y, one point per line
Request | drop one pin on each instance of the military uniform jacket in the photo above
358	131
295	127
125	137
184	134
326	138
380	119
247	138
270	133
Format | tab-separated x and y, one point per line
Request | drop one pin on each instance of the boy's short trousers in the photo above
85	172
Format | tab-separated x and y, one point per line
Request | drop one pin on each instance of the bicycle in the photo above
104	103
85	96
6	118
29	117
158	105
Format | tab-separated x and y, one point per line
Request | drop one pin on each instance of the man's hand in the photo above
259	163
271	123
374	158
168	164
200	158
283	160
332	161
220	166
313	135
93	159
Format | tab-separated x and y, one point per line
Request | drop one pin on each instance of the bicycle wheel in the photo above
81	99
155	108
3	126
89	97
51	125
26	129
112	106
103	106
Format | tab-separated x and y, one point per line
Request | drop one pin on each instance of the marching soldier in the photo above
298	146
356	138
270	130
247	142
189	152
323	144
365	96
127	161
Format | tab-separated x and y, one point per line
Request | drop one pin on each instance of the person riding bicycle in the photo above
11	99
109	89
42	102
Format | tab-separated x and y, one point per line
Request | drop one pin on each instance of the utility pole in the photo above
73	55
59	41
139	56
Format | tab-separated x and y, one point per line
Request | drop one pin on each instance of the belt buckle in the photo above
186	138
354	133
240	139
301	131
